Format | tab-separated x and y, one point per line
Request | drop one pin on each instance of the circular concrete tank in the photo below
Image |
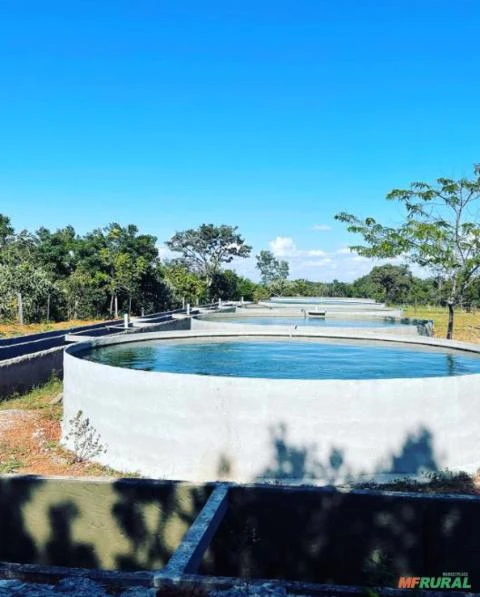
193	427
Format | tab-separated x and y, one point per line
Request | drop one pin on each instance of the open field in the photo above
466	325
8	330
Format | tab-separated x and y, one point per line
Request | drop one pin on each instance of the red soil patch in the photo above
29	444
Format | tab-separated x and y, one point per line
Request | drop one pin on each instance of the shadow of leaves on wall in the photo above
61	549
300	463
153	517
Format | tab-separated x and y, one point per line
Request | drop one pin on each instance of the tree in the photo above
31	282
125	257
440	232
228	285
394	280
56	251
271	269
6	230
183	283
204	250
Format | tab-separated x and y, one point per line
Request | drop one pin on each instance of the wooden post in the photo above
20	308
48	307
116	307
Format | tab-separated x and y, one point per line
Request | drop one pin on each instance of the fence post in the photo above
20	308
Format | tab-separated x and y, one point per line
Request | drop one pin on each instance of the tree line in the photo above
63	275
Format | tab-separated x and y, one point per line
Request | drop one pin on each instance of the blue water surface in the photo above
288	359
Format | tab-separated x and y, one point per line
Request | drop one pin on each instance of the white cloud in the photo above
321	227
320	265
316	262
315	253
283	246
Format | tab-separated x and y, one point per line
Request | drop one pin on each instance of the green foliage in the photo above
33	284
6	230
62	275
388	283
271	269
227	285
439	232
11	465
183	283
204	249
261	294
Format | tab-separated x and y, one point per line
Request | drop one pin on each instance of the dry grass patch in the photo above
8	330
466	325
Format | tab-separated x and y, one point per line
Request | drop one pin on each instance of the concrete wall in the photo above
345	538
353	311
28	369
156	533
111	524
367	309
198	428
23	373
237	325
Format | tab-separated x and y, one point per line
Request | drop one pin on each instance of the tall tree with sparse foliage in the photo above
440	231
271	269
205	249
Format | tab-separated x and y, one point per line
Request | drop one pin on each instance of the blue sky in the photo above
272	116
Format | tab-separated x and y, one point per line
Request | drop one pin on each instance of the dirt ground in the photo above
30	434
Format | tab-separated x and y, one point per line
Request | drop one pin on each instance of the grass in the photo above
40	398
8	330
443	481
11	465
466	325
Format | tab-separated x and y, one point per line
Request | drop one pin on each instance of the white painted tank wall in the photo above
191	427
235	324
